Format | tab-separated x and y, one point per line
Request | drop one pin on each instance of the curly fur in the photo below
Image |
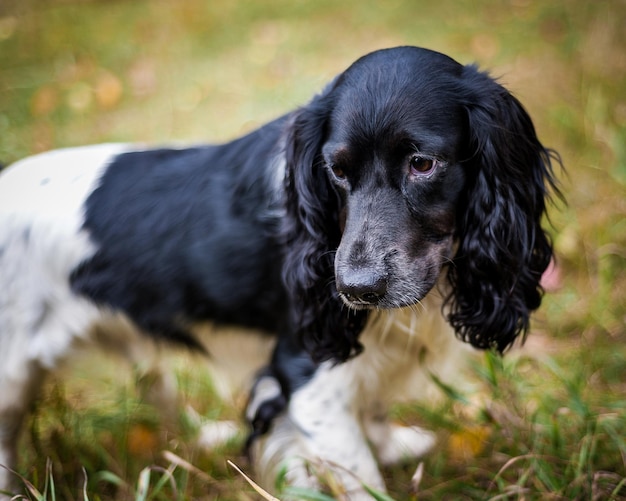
502	248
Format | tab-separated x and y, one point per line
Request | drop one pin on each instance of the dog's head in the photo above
408	165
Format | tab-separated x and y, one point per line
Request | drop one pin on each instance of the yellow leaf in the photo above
468	442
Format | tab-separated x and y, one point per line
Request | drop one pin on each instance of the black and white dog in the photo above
398	213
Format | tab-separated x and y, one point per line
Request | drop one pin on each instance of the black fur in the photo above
187	235
503	250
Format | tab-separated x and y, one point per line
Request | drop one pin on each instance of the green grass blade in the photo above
378	496
306	494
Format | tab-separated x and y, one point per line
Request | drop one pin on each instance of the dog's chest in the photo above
404	349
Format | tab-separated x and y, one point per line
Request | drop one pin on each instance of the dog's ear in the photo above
312	234
502	247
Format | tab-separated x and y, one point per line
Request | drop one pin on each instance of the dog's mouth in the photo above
378	302
366	290
360	303
363	287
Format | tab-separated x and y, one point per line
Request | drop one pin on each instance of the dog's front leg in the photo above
320	434
394	443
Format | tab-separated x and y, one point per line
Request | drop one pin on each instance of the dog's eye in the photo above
337	171
421	165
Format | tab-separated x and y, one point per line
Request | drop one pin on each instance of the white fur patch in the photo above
41	241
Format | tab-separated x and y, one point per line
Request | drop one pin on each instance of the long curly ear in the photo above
502	248
327	329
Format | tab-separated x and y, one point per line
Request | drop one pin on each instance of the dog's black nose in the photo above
362	286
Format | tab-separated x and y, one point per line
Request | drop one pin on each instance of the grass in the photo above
546	422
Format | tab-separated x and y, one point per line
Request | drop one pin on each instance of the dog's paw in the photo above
214	434
266	403
211	434
404	442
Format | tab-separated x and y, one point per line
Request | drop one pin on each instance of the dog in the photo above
369	239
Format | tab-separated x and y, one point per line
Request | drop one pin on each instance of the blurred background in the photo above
157	71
